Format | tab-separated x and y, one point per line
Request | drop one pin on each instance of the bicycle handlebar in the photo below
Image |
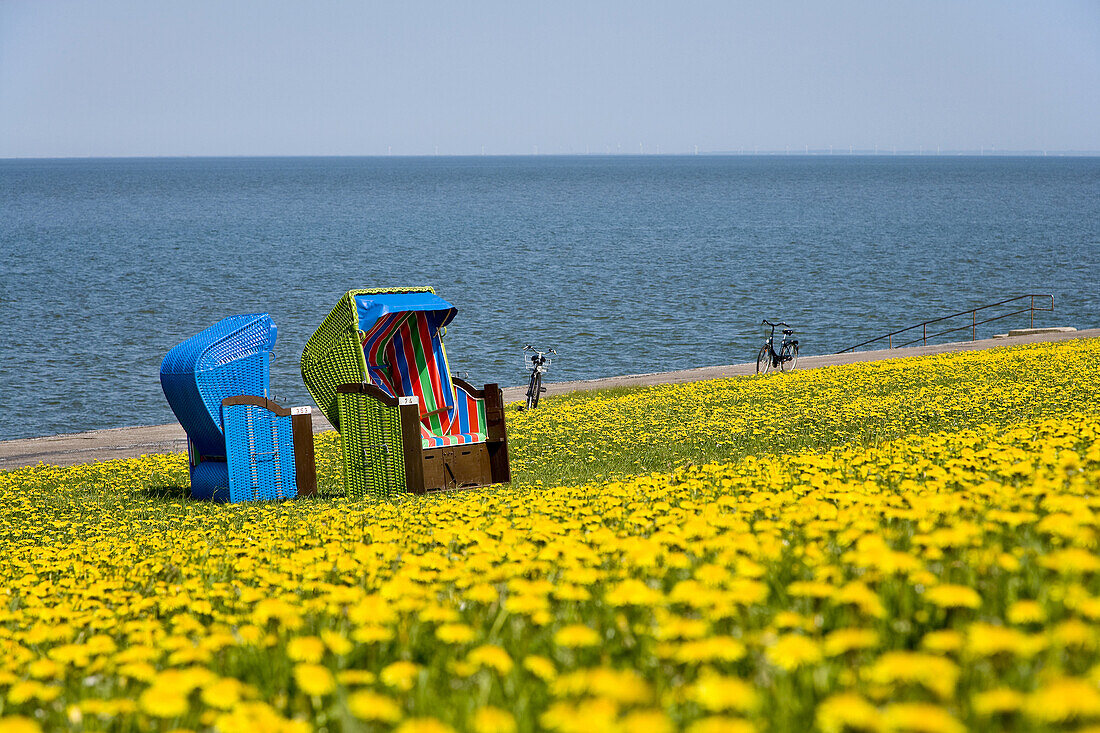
773	325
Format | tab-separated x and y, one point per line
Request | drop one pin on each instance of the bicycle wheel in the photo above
533	391
789	357
763	360
537	384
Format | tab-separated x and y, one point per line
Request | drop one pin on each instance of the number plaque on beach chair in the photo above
378	370
241	445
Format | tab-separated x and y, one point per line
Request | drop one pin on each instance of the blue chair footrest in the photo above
210	481
260	449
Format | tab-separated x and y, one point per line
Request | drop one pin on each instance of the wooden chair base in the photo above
442	468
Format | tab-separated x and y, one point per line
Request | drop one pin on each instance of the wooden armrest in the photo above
369	390
471	389
263	402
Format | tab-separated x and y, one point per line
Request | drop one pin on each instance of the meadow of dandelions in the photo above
898	546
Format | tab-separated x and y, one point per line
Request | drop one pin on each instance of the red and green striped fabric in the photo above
405	356
416	354
468	425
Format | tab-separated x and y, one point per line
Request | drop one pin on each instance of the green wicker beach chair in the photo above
378	370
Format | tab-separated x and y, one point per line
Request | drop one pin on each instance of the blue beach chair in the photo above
241	445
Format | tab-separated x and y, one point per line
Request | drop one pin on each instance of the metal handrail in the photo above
973	325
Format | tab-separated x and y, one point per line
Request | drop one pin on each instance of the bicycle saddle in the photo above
788	331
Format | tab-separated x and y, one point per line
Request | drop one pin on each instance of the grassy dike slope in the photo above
900	545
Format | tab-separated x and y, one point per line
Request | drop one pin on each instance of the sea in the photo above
622	264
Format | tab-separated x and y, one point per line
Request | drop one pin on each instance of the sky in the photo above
251	77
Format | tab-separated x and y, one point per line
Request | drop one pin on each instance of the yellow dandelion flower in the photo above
997	701
622	686
846	711
306	649
42	669
163	703
455	634
859	595
633	592
944	641
314	680
920	718
250	634
1074	633
1089	608
355	677
647	721
483	593
541	667
718	694
462	668
248	717
987	640
1026	612
223	694
372	634
18	724
576	635
25	691
953	596
372	706
792	651
936	674
715	648
492	657
400	675
1063	700
788	620
493	720
589	715
842	641
1071	561
338	644
811	589
141	671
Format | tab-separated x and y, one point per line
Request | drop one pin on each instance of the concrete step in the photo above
1035	331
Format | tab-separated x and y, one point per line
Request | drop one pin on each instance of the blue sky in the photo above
130	77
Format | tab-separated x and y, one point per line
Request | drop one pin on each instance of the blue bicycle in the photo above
538	363
785	358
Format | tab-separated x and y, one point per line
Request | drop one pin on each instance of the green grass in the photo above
624	431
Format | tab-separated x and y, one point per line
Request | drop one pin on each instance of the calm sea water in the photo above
624	265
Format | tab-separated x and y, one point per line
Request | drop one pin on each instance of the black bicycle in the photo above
785	358
538	362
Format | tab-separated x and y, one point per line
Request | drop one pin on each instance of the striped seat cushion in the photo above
468	425
434	441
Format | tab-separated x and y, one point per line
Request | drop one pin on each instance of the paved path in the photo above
101	445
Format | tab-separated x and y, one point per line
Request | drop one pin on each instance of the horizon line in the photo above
803	153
